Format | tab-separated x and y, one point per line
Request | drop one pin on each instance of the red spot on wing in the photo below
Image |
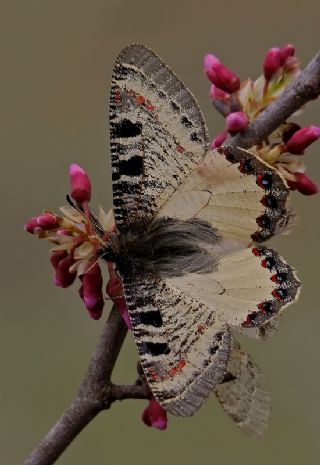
117	96
140	100
153	375
276	294
200	329
175	370
256	252
180	149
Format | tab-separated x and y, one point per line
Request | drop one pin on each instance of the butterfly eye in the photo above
264	180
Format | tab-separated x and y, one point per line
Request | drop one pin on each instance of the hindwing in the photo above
243	394
181	324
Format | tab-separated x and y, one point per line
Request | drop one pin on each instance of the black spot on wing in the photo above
186	122
125	128
155	348
151	318
131	167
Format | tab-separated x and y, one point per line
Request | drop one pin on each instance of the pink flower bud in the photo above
272	62
218	94
289	131
209	60
80	184
32	226
57	256
154	415
218	140
304	184
91	292
222	77
237	121
47	221
286	52
115	292
63	277
302	138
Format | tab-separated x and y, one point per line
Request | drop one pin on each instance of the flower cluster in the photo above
76	245
78	237
240	103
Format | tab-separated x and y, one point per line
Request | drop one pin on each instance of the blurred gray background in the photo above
56	64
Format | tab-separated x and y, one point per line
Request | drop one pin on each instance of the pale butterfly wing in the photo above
236	192
160	167
249	288
183	352
157	134
181	324
243	394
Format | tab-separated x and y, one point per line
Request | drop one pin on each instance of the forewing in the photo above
183	350
243	394
236	192
157	134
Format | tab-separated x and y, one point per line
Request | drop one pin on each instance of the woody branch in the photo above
96	392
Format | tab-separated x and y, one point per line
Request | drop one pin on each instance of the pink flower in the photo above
115	292
154	415
32	227
218	140
302	138
237	121
63	277
57	256
304	184
209	60
40	223
91	291
218	94
80	184
286	52
47	221
289	131
272	62
220	75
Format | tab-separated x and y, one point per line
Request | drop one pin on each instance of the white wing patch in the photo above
226	189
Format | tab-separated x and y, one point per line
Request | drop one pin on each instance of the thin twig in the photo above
303	89
96	392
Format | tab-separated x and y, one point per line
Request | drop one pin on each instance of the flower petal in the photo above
154	415
80	184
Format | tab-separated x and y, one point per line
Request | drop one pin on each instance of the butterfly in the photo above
191	222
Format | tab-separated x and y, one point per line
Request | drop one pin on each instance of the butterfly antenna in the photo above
93	220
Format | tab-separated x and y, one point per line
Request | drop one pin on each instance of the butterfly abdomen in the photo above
165	247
